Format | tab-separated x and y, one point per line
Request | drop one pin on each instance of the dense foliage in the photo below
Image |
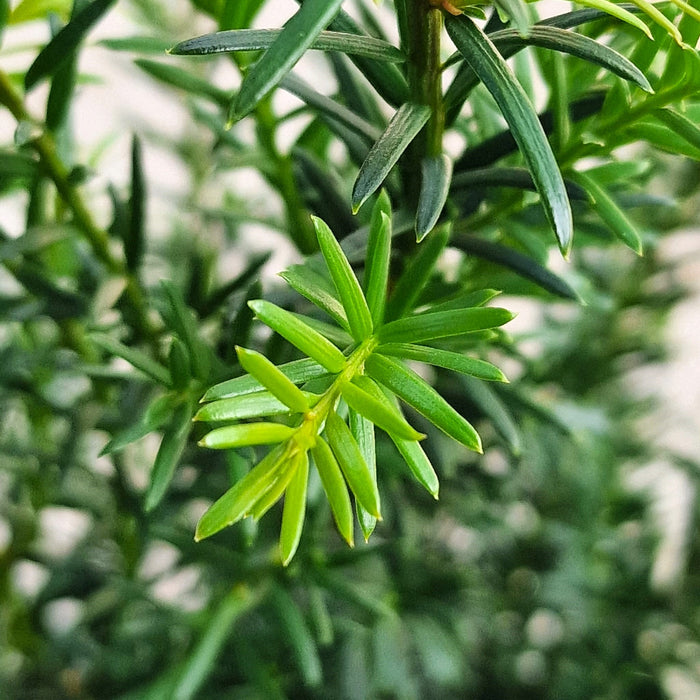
188	448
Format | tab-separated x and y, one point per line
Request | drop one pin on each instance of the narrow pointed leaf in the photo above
335	487
519	178
352	464
294	510
184	323
615	10
298	372
402	129
378	258
508	42
515	105
134	233
181	79
330	331
296	37
327	107
201	661
241	497
346	284
443	324
444	358
272	379
138	359
220	295
681	125
419	464
416	392
410	450
416	274
279	485
660	18
250	405
363	432
179	365
295	632
62	91
609	211
436	174
486	399
156	415
299	334
140	44
257	39
465	300
386	78
380	414
317	289
521	264
246	434
62	46
171	448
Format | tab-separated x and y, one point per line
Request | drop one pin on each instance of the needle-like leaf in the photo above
381	415
294	509
349	290
249	405
299	334
352	463
335	487
443	324
436	174
402	129
61	47
508	42
298	372
515	105
246	434
298	34
610	212
363	432
444	358
257	39
135	357
171	448
317	289
242	496
416	392
378	258
410	450
272	379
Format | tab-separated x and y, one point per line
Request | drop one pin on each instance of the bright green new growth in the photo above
342	453
355	366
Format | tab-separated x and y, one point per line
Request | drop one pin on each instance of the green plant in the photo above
403	239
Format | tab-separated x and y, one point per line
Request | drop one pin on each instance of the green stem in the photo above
423	32
433	83
305	435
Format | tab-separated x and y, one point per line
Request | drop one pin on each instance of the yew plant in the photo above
465	150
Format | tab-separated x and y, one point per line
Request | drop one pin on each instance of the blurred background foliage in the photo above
561	564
